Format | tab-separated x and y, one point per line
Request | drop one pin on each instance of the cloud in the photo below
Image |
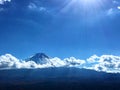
115	8
35	7
3	1
115	2
57	62
118	7
72	61
8	61
93	59
105	63
110	11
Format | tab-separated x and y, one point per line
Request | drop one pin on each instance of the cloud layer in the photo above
105	63
8	61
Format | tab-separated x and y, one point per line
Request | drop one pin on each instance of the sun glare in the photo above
84	5
89	1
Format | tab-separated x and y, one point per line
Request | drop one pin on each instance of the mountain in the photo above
60	78
43	59
40	58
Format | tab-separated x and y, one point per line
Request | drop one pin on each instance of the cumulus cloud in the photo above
8	61
93	59
105	63
72	61
57	62
3	1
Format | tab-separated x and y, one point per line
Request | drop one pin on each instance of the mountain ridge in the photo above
58	78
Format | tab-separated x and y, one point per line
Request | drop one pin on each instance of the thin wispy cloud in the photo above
34	7
3	1
110	11
114	9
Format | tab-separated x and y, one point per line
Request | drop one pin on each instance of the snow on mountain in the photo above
40	58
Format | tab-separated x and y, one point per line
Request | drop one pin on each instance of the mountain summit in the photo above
40	58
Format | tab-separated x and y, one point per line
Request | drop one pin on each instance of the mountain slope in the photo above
58	78
40	58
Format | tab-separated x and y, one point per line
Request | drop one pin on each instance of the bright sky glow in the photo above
89	1
89	5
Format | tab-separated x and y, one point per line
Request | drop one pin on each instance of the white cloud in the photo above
93	59
33	6
57	62
118	7
112	12
3	1
72	61
105	63
8	61
1	9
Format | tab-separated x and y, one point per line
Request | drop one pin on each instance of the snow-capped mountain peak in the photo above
40	58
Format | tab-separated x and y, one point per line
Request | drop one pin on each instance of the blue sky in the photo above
61	28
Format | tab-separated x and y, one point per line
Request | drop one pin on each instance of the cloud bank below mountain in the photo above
105	63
